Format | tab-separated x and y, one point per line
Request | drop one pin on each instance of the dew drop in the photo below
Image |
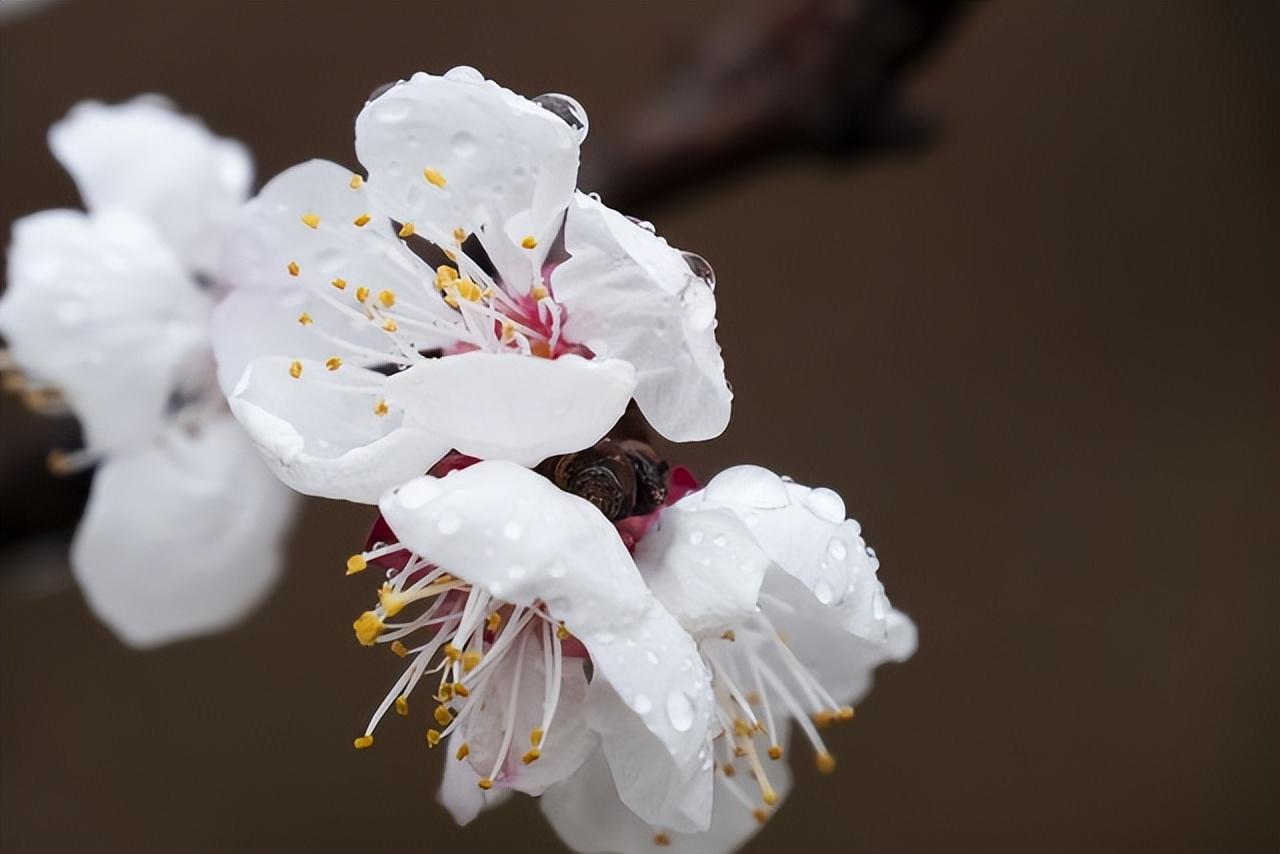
750	485
822	591
837	549
464	73
700	267
679	711
644	223
642	704
513	530
699	305
720	541
567	109
557	570
826	505
418	492
448	522
651	656
516	572
695	537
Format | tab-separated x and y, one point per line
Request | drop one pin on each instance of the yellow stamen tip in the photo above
661	839
461	690
470	660
390	326
362	293
459	235
446	693
729	770
531	756
361	221
402	706
311	220
294	269
295	369
535	737
775	751
493	622
760	815
443	716
463	751
433	177
826	762
729	635
485	783
356	182
451	652
407	230
363	741
305	319
823	718
769	796
846	713
356	563
529	242
340	284
333	363
562	632
387	298
538	292
368	626
391	601
399	649
433	737
381	408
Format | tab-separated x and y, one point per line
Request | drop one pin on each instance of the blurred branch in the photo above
819	76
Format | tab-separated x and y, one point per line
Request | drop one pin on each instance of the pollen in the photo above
368	626
446	693
433	177
535	737
356	563
530	242
459	234
826	762
768	795
470	659
361	221
311	220
333	363
463	750
485	783
444	275
760	815
729	635
443	716
493	622
390	326
381	408
461	690
531	756
391	601
362	293
661	839
562	632
340	284
846	713
356	182
305	319
294	269
402	706
775	751
399	649
387	298
451	652
433	737
407	230
823	718
363	741
538	292
729	770
295	369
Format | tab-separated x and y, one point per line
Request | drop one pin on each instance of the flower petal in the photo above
98	307
460	151
509	531
631	296
806	533
460	792
182	537
142	156
512	407
321	434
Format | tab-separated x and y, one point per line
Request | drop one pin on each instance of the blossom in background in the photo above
106	316
461	296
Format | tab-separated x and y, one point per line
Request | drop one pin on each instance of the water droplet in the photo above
382	90
871	553
695	537
567	109
513	530
464	73
449	522
837	549
879	606
750	485
825	504
464	144
516	572
699	305
720	541
700	267
557	570
822	591
679	711
651	656
643	223
418	492
642	704
605	637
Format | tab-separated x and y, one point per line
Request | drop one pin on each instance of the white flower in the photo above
514	583
105	315
781	593
383	321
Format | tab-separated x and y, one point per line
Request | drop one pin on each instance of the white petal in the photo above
704	566
328	442
511	532
100	308
589	817
181	538
512	407
509	166
631	296
460	792
806	533
143	157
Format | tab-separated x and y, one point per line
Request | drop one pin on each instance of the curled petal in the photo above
460	793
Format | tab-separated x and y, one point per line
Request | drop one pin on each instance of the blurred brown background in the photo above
1039	359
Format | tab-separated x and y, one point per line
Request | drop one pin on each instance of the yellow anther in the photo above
459	234
739	751
311	220
364	741
451	652
387	298
433	737
531	756
433	177
402	706
530	242
468	290
295	369
729	635
538	292
485	783
562	632
446	693
368	626
443	716
356	181
305	319
729	770
451	255
407	230
846	713
444	275
826	762
775	751
768	795
390	326
362	293
464	750
461	690
361	221
333	363
753	698
294	269
661	839
340	284
356	563
760	815
508	330
741	727
535	737
493	622
399	649
390	600
823	718
381	408
470	659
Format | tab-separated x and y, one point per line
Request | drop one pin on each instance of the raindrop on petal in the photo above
567	109
679	711
826	505
701	268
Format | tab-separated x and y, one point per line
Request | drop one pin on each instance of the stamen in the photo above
294	269
402	706
364	741
295	369
381	408
340	284
311	220
333	363
530	242
361	221
305	319
368	626
362	293
387	298
356	563
433	737
434	177
464	750
356	181
407	230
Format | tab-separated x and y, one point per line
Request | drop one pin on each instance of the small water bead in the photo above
823	592
701	268
464	73
516	572
643	223
826	505
750	485
720	541
679	711
418	492
837	549
557	570
642	704
651	656
567	109
695	537
699	305
448	522
513	530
